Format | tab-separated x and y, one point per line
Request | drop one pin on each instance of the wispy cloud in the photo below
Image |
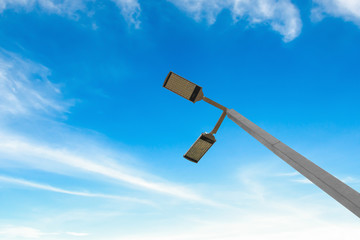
289	174
281	15
60	190
25	88
349	10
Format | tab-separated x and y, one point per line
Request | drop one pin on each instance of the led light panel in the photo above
200	147
183	87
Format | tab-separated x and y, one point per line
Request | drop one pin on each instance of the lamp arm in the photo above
223	115
221	119
208	100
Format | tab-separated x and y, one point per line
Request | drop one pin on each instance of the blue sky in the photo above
91	144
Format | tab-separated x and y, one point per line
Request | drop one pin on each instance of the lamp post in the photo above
338	190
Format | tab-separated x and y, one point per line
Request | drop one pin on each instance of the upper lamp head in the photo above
183	87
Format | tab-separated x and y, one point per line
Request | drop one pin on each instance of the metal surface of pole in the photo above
341	192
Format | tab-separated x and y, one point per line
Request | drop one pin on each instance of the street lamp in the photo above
194	93
338	190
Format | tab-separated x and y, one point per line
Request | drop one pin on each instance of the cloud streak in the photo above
26	183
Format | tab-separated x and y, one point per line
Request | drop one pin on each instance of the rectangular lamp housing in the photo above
183	87
200	147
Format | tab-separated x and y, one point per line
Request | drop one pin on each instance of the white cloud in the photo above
349	10
130	9
65	7
60	190
21	232
281	15
25	88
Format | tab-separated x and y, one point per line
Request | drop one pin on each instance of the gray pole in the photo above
341	192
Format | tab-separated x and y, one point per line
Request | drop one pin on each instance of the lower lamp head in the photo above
200	147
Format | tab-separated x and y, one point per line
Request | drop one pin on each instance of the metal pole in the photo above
341	192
